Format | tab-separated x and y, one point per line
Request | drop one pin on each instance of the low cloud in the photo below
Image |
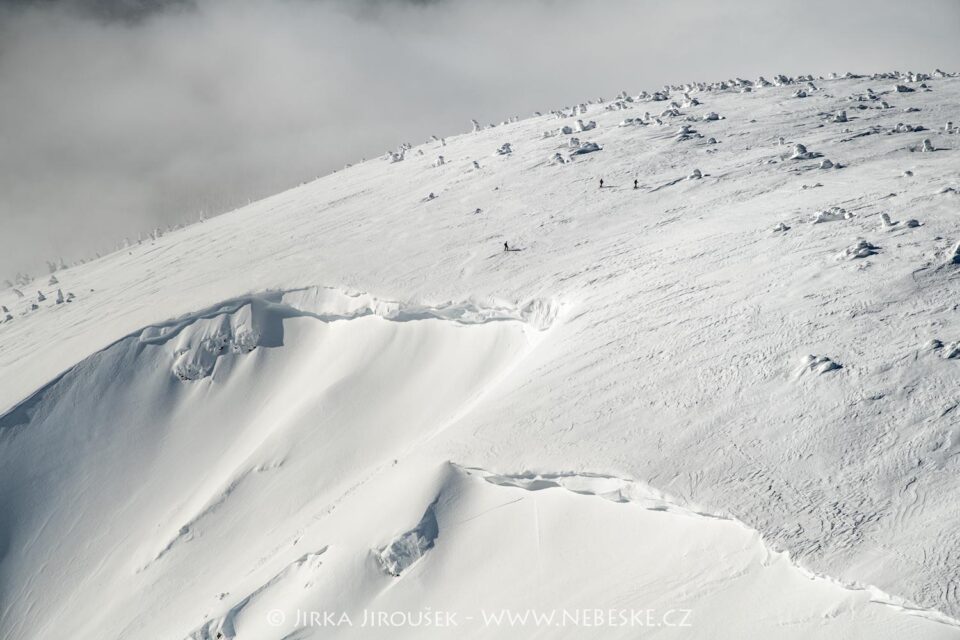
121	115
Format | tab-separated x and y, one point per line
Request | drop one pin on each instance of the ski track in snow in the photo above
678	331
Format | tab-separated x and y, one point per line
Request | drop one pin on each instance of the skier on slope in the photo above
636	184
506	247
601	183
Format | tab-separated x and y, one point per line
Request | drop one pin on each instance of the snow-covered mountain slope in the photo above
349	397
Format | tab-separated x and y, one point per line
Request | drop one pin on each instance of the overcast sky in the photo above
120	115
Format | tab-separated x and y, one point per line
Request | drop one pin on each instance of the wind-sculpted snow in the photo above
687	326
550	531
265	404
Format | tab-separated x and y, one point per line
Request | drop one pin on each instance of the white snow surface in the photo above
347	397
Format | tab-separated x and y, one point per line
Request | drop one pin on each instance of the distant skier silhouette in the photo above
636	184
506	247
601	183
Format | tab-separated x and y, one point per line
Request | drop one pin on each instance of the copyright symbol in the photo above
276	617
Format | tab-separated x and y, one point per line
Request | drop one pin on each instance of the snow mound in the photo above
818	365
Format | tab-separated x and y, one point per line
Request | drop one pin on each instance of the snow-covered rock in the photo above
800	152
859	249
887	223
401	553
831	215
585	147
955	254
818	365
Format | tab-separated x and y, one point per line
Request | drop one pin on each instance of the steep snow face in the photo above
188	440
185	477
